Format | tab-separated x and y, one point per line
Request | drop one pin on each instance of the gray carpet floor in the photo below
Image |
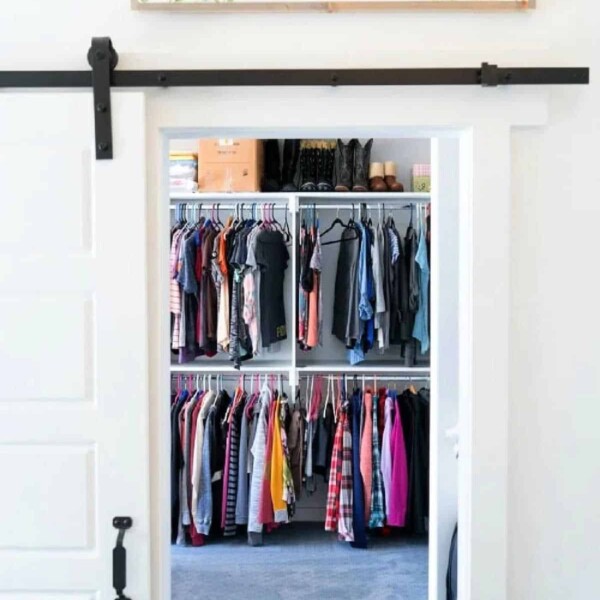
301	561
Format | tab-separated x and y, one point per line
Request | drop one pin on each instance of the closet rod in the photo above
360	376
228	375
206	206
358	205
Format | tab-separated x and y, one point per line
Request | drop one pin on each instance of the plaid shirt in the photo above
377	501
345	528
335	480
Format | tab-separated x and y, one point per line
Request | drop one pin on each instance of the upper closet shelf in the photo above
272	367
275	367
270	196
366	368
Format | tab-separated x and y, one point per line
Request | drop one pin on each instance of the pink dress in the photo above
398	501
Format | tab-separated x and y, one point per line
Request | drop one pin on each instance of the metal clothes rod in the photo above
359	205
215	374
207	206
360	376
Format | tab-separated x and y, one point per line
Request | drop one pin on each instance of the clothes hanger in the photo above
330	393
286	226
309	389
338	398
336	221
349	225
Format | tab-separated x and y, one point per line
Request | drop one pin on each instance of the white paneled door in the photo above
73	348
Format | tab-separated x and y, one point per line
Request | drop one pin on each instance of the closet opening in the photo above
313	363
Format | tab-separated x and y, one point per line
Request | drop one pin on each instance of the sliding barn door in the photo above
73	348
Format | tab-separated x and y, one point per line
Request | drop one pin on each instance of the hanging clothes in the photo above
377	517
241	500
382	290
258	450
335	481
223	278
345	302
272	257
346	512
239	459
421	327
310	293
398	497
366	452
358	500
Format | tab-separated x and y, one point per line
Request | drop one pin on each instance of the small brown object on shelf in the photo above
390	177
376	182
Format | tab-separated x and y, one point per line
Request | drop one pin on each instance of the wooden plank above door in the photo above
332	6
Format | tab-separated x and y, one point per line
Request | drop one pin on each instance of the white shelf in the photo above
381	196
269	196
247	367
381	367
280	367
208	196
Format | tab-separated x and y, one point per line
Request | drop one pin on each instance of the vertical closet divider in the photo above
293	210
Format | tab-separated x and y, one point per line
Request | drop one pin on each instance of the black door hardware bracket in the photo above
103	58
120	557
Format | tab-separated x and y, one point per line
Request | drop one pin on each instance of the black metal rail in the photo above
303	77
103	59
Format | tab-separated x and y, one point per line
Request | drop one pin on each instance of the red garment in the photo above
265	512
335	480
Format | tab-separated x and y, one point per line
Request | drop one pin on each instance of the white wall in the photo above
554	513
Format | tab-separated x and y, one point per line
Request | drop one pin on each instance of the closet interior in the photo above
300	320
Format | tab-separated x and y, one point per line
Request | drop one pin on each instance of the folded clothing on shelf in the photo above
183	171
421	178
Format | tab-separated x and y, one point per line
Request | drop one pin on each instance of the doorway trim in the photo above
484	133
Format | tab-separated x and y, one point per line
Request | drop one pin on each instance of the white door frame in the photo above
482	120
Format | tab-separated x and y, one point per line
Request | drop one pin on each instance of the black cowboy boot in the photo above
325	168
291	152
362	158
272	174
344	165
308	169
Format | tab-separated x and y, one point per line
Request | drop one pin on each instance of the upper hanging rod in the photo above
103	59
406	204
206	206
370	376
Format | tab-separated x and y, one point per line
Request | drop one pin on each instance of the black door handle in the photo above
120	557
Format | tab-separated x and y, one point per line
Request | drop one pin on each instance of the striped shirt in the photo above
230	494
